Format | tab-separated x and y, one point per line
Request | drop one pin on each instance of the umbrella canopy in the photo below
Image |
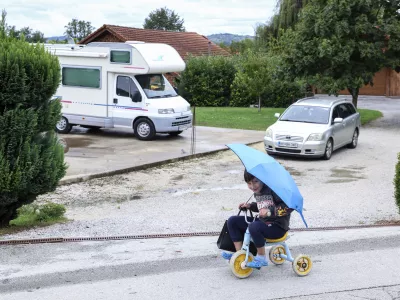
272	173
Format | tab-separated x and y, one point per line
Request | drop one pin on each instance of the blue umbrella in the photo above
272	173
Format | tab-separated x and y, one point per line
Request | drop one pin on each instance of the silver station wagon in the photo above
314	127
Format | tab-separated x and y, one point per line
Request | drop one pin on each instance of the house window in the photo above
122	57
82	77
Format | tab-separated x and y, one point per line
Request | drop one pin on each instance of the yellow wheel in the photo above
274	254
237	263
302	265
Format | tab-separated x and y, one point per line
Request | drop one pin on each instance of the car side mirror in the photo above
277	115
136	97
338	120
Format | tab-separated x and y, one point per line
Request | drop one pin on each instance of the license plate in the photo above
288	144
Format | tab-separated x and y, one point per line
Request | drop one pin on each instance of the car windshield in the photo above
306	114
156	86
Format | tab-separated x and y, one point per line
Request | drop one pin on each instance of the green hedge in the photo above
214	81
206	80
281	94
397	183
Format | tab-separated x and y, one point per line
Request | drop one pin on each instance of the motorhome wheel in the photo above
63	126
144	129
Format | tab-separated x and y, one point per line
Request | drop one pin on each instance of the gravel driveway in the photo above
354	187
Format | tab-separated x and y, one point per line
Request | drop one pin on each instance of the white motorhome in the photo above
106	85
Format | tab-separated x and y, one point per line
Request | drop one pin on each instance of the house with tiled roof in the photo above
184	42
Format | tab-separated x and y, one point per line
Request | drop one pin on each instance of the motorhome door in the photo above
127	101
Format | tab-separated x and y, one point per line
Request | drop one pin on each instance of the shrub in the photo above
206	80
397	182
31	158
33	214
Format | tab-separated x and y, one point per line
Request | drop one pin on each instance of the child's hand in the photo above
244	206
264	212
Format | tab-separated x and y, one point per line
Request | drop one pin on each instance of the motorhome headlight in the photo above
315	137
268	133
166	111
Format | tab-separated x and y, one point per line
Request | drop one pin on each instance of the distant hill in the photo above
227	38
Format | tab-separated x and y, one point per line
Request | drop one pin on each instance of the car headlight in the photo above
315	137
166	111
268	133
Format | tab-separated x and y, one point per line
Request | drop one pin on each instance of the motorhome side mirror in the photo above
338	120
277	115
136	97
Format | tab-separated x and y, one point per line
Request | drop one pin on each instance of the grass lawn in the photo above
250	118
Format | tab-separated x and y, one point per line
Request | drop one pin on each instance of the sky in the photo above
202	16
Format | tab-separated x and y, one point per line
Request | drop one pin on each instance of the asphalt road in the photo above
349	264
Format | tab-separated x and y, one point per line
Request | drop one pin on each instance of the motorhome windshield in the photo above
156	86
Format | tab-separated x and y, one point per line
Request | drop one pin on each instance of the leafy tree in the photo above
287	16
31	158
28	33
256	73
242	46
164	19
78	29
341	44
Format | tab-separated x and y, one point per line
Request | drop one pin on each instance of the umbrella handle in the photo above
251	213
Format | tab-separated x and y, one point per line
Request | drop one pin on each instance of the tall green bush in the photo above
31	158
206	80
262	75
397	183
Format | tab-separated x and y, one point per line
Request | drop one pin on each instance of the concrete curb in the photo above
84	178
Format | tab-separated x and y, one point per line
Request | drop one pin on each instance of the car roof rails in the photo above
306	98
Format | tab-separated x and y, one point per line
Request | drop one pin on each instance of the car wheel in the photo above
175	133
328	150
144	129
63	126
354	141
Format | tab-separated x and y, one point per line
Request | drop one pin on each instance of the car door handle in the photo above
115	100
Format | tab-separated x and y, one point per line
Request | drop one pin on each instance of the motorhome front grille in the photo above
181	118
287	137
185	122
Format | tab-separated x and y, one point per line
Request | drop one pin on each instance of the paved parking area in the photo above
110	150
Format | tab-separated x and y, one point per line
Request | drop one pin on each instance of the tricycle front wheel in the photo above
237	263
302	265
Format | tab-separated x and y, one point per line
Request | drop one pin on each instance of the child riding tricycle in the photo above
276	197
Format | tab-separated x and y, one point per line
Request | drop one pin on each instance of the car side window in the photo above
127	88
351	108
335	113
344	111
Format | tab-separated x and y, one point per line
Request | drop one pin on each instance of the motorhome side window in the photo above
127	88
122	57
82	77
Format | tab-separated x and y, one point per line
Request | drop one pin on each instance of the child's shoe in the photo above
226	255
258	262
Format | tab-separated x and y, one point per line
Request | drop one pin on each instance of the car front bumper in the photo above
308	148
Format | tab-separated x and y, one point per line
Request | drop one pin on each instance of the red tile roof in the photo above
184	42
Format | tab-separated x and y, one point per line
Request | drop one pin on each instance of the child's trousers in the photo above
259	230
